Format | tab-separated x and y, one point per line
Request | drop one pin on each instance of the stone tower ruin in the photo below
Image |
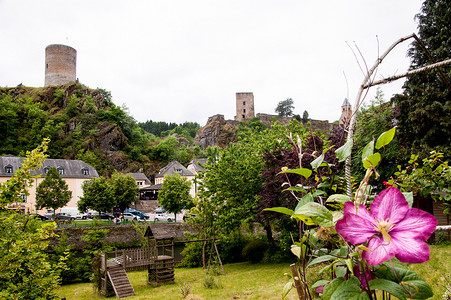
60	64
244	106
346	113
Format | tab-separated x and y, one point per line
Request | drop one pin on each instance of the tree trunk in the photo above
269	236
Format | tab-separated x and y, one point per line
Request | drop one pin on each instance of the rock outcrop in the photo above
217	132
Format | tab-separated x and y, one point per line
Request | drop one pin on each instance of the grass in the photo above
251	281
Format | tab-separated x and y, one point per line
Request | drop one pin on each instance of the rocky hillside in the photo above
82	123
221	132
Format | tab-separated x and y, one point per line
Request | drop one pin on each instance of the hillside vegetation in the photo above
85	124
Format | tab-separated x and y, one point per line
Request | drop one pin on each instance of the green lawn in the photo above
251	281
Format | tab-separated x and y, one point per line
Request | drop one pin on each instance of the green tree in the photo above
285	108
233	180
52	192
97	195
425	106
174	195
124	190
371	121
25	268
305	117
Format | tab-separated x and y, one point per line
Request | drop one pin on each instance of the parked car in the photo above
103	216
39	217
83	216
63	217
140	214
130	217
160	210
188	216
163	218
106	216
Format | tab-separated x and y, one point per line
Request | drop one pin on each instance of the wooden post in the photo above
217	253
297	282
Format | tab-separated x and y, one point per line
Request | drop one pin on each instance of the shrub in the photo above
192	255
255	250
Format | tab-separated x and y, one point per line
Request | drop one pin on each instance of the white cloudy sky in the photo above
180	60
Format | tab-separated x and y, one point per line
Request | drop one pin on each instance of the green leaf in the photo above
286	289
282	210
385	138
339	288
372	160
409	198
317	162
368	150
318	193
317	212
320	283
302	171
320	259
295	189
338	198
306	199
344	151
408	279
389	286
298	250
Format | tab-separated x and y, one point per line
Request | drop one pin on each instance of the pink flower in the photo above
392	229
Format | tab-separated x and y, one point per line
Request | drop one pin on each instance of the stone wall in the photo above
124	235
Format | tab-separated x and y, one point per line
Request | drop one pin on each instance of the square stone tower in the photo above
244	106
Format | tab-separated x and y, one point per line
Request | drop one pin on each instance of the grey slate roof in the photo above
140	176
174	167
346	102
197	163
151	187
72	168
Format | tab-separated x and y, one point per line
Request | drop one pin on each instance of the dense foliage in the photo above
285	108
124	190
163	129
425	105
175	194
371	121
26	271
97	195
85	124
52	192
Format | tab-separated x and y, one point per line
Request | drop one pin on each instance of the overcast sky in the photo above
181	60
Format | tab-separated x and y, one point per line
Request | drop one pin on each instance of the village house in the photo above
73	172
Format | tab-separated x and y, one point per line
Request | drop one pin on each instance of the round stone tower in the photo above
60	64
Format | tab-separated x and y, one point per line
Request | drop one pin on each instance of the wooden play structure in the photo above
157	258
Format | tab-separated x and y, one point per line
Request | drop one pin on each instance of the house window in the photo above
9	169
46	170
24	197
61	170
85	171
140	183
178	171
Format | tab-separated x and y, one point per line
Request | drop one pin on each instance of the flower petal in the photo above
417	222
409	249
390	205
356	228
381	251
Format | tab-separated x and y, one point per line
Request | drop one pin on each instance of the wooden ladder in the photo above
120	282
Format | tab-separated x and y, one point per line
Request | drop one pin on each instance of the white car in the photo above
163	218
130	217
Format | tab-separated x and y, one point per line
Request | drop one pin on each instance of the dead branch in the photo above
408	73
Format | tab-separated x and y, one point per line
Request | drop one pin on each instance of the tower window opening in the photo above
244	102
244	110
243	116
